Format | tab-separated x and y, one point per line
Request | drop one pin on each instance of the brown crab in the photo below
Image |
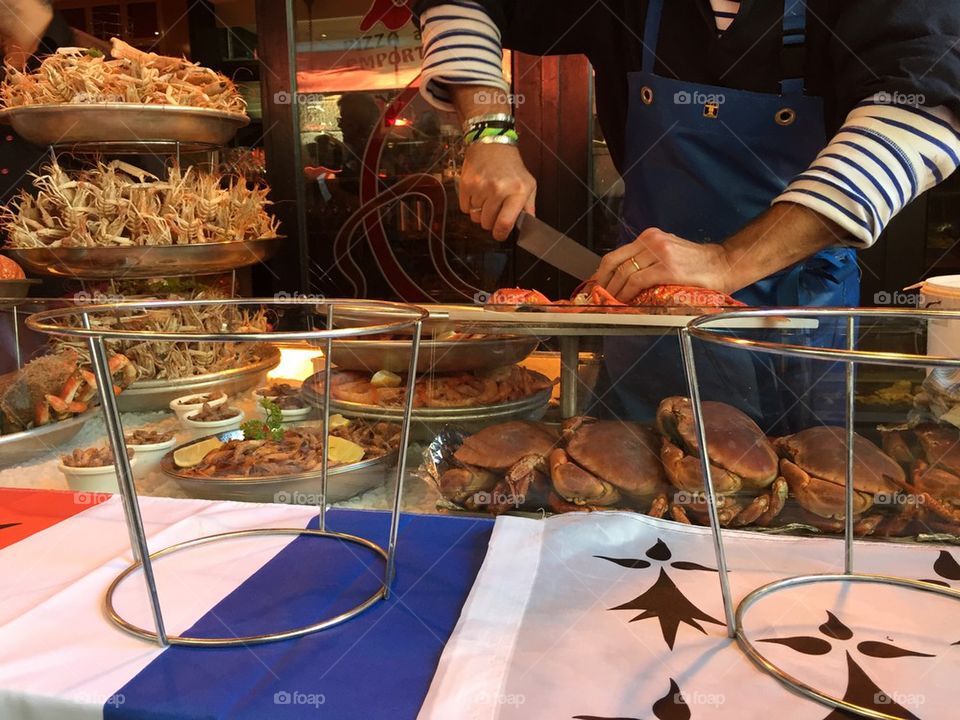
54	387
932	453
606	462
742	463
814	461
498	465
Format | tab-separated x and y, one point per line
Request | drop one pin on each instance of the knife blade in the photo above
555	248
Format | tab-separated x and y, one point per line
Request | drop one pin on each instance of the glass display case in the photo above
379	167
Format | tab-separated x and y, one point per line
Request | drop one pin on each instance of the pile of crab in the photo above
797	480
117	204
54	387
81	75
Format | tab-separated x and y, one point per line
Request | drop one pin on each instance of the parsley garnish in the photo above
271	428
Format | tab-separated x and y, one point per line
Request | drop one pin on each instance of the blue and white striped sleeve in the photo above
461	46
883	157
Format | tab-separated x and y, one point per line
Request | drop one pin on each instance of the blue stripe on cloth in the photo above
438	63
494	30
932	167
493	49
920	134
833	203
863	171
930	117
893	178
456	34
377	666
891	147
853	194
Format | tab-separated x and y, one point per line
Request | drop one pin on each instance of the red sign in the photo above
394	14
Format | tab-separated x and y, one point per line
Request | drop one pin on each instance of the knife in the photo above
555	248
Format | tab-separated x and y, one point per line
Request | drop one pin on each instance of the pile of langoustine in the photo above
436	390
591	295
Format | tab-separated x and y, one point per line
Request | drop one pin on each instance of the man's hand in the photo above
22	24
783	236
659	258
495	186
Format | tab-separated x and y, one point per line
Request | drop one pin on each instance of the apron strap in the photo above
651	34
794	53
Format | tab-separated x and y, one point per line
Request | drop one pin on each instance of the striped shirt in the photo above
890	149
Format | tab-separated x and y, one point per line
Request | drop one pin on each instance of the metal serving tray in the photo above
16	289
426	423
435	355
343	481
147	395
123	127
145	261
24	446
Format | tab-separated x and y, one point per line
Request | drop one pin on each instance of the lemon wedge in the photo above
191	455
385	378
338	420
344	452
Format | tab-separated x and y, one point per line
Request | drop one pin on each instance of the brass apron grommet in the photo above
646	95
786	116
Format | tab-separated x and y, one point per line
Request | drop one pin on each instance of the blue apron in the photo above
702	161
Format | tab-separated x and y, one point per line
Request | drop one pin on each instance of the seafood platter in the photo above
113	219
470	399
232	465
78	97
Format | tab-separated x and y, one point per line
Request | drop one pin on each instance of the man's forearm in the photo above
783	236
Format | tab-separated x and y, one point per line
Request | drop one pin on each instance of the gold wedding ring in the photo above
635	263
623	266
476	210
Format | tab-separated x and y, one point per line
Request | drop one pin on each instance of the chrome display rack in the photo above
715	329
367	317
